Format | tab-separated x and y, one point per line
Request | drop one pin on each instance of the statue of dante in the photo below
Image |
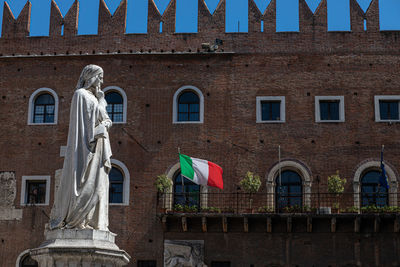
81	201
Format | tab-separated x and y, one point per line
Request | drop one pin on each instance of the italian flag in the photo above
201	171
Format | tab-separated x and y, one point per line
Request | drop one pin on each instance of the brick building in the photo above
328	99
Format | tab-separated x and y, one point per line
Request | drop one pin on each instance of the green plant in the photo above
350	210
163	183
308	209
293	209
336	186
211	210
178	207
190	208
250	183
265	209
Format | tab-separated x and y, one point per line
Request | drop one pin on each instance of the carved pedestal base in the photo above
79	248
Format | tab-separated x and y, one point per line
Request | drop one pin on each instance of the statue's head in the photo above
91	76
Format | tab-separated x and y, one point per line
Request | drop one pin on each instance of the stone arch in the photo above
293	165
124	99
375	164
175	104
21	257
126	185
31	106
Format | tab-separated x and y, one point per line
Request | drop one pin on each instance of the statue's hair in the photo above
88	76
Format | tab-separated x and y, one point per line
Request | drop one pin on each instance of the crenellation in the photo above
372	15
357	17
211	23
16	28
153	18
254	17
306	17
71	20
321	17
168	18
313	35
112	24
56	20
269	17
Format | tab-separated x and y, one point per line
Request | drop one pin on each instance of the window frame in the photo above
174	184
126	184
329	98
375	195
377	99
31	108
119	90
279	195
175	105
25	179
260	99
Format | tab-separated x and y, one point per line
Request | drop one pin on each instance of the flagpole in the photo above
183	184
280	179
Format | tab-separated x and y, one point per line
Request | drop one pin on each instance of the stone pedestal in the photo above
79	248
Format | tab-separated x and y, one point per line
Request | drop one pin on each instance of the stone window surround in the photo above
125	101
35	178
329	98
169	199
280	99
377	98
126	185
370	165
31	108
175	104
293	165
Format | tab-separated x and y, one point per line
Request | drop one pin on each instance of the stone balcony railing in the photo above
267	203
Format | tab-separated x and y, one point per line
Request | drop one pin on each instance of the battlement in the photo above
312	37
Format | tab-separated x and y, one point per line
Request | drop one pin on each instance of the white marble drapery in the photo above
82	198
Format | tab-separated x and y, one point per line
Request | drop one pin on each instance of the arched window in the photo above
371	192
116	104
289	190
186	193
27	261
119	179
43	107
188	105
116	185
292	188
366	184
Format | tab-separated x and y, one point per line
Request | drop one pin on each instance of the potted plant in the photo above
163	185
336	186
265	209
250	184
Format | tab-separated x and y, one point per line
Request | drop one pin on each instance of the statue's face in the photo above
99	80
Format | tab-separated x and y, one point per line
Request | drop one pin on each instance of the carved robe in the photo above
82	198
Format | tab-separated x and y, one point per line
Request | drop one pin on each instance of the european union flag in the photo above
383	178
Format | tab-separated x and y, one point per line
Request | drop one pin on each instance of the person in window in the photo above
81	201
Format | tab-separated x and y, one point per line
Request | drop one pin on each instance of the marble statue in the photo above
81	201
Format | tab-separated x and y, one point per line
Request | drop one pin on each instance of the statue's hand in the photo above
107	124
100	131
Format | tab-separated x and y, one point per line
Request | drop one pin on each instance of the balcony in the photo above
262	212
264	203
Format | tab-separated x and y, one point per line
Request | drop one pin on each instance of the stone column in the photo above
79	248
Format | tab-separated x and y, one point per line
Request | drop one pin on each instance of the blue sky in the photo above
236	14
